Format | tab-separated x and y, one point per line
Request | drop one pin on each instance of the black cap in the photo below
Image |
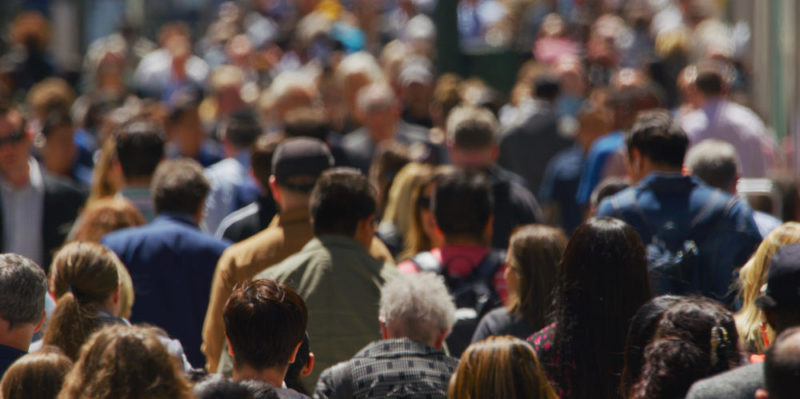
783	280
299	161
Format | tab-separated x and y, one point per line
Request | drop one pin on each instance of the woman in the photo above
85	279
122	362
534	254
754	333
37	375
397	216
602	282
499	367
422	234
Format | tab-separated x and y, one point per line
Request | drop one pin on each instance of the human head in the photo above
123	362
239	130
302	366
261	157
22	289
416	79
655	143
389	158
342	202
179	186
533	259
710	81
780	301
606	188
307	122
418	307
353	73
378	111
183	125
139	148
265	322
462	205
37	375
715	162
291	90
104	216
471	137
546	88
399	202
50	95
782	367
59	151
15	147
217	386
298	162
422	233
499	367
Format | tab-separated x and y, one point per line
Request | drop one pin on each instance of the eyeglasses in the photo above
12	138
424	203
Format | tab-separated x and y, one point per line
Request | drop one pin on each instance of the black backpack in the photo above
474	294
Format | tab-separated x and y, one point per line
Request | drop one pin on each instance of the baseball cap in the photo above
299	161
783	279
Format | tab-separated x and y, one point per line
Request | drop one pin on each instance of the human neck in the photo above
18	178
463	241
137	181
271	375
18	337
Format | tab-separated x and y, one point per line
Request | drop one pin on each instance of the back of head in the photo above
307	122
499	367
398	209
298	163
462	205
418	307
606	188
710	80
782	365
547	88
715	162
122	362
264	322
104	216
659	138
217	386
341	198
22	288
179	186
261	156
139	147
37	375
240	129
471	128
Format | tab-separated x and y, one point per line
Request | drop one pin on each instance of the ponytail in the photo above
70	325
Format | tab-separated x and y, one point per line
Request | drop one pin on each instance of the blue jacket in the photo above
722	227
171	263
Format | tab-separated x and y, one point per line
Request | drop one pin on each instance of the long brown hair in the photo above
122	362
37	375
534	254
83	277
499	367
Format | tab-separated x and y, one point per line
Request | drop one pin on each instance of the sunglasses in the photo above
12	138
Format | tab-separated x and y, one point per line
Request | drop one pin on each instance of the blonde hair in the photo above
752	276
416	240
399	203
499	367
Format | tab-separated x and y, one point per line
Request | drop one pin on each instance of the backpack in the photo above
474	295
674	254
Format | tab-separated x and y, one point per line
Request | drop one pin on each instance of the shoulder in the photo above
63	189
741	382
237	217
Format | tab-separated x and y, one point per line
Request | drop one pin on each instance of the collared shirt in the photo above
23	212
225	176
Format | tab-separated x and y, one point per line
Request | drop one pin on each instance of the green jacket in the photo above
341	284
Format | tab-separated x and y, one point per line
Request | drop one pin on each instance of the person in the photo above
396	219
37	207
170	260
59	153
37	375
716	163
221	387
462	206
229	179
265	322
754	332
88	276
139	149
472	144
104	216
302	366
695	338
23	286
780	304
422	233
781	367
601	284
532	262
339	280
719	118
499	367
416	314
672	212
123	362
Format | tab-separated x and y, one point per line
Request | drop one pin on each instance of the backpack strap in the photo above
490	264
427	262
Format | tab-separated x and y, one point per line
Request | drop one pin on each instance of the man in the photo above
472	145
23	286
716	163
462	208
339	280
416	314
782	367
37	208
697	235
781	307
265	322
231	185
171	262
139	149
721	119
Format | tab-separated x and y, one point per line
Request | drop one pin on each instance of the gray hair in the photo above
715	162
417	306
470	126
376	95
360	62
23	286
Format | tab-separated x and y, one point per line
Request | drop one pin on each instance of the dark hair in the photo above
37	375
782	366
462	203
216	386
54	120
709	81
241	128
261	156
307	122
292	377
606	188
264	322
695	338
179	186
547	87
22	289
139	147
389	158
602	282
340	199
658	137
640	334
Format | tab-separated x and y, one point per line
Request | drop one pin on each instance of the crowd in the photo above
411	198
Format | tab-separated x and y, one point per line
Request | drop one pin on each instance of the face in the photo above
380	121
426	216
60	151
15	143
473	158
512	279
